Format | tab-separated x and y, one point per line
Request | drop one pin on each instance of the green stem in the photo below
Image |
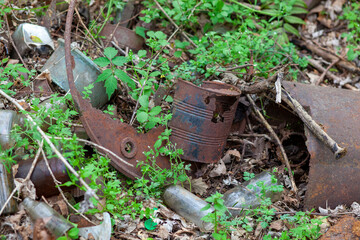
31	9
252	9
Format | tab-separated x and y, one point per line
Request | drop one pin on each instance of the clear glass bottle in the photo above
244	196
7	120
187	205
54	222
6	187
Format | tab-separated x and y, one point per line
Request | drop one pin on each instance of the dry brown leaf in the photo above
41	232
219	169
198	186
277	225
27	189
163	233
21	223
235	153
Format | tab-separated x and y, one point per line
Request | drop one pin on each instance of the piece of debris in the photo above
85	73
245	195
53	221
202	118
29	37
100	232
330	180
348	228
122	36
187	205
6	187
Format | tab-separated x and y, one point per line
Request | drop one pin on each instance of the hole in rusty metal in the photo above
217	117
207	100
129	147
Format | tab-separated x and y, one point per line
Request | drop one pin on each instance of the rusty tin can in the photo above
202	119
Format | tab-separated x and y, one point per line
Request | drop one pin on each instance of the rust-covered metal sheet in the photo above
120	138
124	36
331	182
347	228
202	119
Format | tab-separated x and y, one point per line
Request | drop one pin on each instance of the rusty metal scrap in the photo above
331	182
121	138
202	119
123	36
348	228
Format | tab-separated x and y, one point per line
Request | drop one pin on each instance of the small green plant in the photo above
111	75
352	14
214	217
12	73
159	178
303	227
111	6
73	233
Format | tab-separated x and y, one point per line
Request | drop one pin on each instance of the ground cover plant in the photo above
190	40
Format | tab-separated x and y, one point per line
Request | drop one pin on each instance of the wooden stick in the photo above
329	57
173	23
284	159
13	44
313	126
321	78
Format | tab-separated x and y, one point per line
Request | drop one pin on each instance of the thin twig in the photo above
119	48
237	67
27	176
52	146
59	188
326	70
313	126
13	44
173	23
97	146
284	159
92	37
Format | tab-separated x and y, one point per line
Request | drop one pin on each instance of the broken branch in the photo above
285	160
313	126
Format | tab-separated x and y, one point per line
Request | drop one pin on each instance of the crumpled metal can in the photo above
85	73
29	37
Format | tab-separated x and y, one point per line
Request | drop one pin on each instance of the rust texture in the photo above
41	177
202	118
346	229
331	182
122	139
124	36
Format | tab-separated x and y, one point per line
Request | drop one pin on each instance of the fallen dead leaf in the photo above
41	232
219	169
277	225
27	189
21	224
198	186
229	154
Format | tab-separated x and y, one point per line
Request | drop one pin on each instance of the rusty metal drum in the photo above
202	118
